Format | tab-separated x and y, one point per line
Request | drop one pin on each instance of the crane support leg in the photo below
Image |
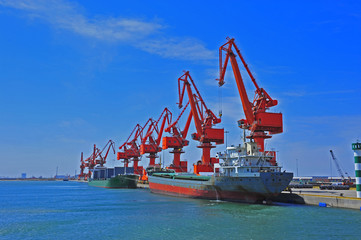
206	165
178	165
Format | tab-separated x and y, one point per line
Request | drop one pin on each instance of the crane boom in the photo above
345	181
177	141
150	143
153	127
130	148
258	121
102	160
204	119
89	163
184	78
337	165
247	105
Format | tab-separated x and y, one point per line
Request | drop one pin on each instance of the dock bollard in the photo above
356	147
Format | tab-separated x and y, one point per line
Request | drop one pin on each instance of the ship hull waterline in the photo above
249	189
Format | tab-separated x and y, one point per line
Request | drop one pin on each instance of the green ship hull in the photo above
120	181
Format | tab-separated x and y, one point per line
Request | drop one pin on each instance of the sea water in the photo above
73	210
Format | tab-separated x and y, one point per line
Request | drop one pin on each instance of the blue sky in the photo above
75	73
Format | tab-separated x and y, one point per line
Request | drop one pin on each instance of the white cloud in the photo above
185	48
68	16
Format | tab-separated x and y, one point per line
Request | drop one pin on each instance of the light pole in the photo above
297	167
331	168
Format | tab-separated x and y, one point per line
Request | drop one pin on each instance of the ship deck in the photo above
182	176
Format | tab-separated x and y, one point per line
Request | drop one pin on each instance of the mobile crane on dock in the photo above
258	121
345	181
204	119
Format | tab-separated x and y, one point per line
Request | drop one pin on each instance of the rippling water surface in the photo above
72	210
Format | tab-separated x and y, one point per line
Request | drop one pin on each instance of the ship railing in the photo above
270	154
251	168
264	154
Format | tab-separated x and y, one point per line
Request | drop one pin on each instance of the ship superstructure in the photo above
245	159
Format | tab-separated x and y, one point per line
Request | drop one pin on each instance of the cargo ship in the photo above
245	175
117	177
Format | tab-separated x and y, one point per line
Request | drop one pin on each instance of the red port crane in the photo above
130	149
177	141
258	121
89	162
96	158
83	165
101	160
204	119
151	141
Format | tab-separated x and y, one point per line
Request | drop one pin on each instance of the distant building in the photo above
23	175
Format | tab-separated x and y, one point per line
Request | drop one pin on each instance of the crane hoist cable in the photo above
220	102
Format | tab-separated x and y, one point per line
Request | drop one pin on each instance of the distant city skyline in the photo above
78	73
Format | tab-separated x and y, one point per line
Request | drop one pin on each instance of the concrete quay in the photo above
323	198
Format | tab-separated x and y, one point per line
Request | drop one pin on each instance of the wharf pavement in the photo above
322	198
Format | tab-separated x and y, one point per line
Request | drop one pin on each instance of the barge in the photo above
117	177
